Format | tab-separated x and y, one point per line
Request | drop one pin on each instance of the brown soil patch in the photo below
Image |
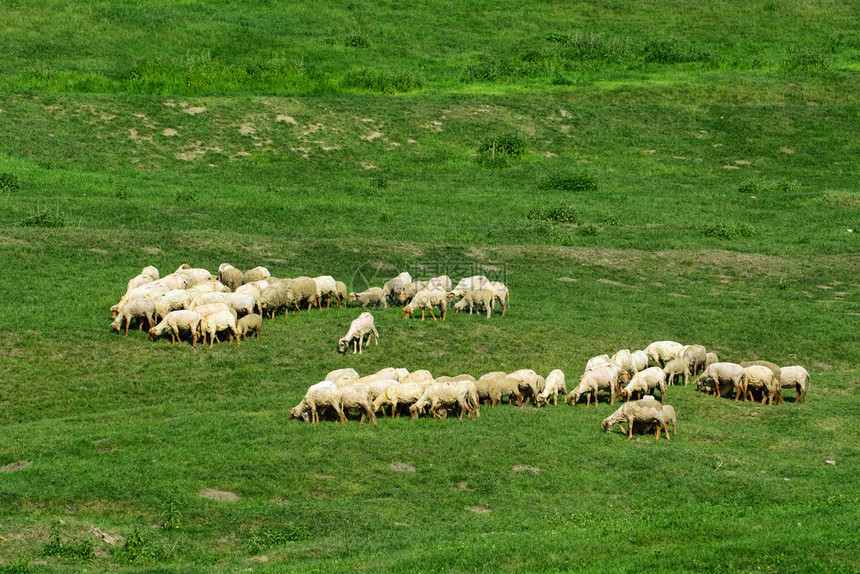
730	167
526	468
194	111
152	250
382	265
15	466
677	295
462	487
169	132
99	251
742	162
610	282
824	366
286	119
215	494
247	130
479	509
568	279
401	467
372	136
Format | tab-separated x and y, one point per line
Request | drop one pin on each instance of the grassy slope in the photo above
117	427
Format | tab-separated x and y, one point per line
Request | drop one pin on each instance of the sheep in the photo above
677	368
607	378
207	287
361	326
480	299
669	416
772	366
387	373
372	296
171	301
342	376
470	284
323	394
242	303
652	378
501	294
529	384
150	290
486	382
223	321
797	378
555	384
273	298
176	321
255	274
624	359
639	360
660	352
358	397
461	393
761	377
211	308
139	309
341	293
301	290
722	373
427	299
710	360
208	299
194	276
250	323
230	276
597	362
696	356
326	288
642	411
255	288
403	394
419	376
147	275
409	291
393	287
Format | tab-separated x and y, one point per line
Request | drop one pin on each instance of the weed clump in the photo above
568	180
562	213
22	566
9	183
672	52
754	186
71	551
44	218
809	58
273	537
356	41
185	197
498	151
730	230
380	81
138	548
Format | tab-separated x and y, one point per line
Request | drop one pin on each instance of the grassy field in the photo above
634	172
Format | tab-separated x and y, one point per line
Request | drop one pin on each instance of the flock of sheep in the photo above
626	375
193	301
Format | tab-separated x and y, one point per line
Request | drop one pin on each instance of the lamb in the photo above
358	397
480	299
606	378
402	394
393	287
324	394
677	368
250	323
230	276
722	373
501	294
139	309
761	377
555	384
427	299
273	298
696	356
660	352
223	321
301	290
462	393
255	274
360	327
176	321
797	378
643	382
647	411
326	288
372	296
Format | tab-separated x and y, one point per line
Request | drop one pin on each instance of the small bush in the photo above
171	515
731	230
611	219
568	180
487	69
588	230
72	551
9	183
379	182
356	41
22	566
754	186
121	192
138	548
510	144
44	218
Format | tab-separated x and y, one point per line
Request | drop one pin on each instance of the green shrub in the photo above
568	180
730	230
72	551
22	566
592	48
9	183
488	68
139	548
588	230
356	41
509	144
186	196
562	213
754	186
611	219
44	218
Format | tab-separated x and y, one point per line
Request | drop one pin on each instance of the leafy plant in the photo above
9	183
74	551
171	516
672	52
588	230
44	218
22	566
185	196
272	537
356	41
139	548
382	81
509	144
808	58
730	230
568	180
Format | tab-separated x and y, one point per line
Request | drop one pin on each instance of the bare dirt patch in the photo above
401	467
194	111
568	279
382	265
526	468
247	130
610	282
169	132
824	366
16	466
215	494
372	136
479	509
151	250
462	487
99	251
286	119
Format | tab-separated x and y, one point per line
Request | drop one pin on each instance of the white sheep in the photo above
470	284
795	377
147	275
697	357
342	377
139	309
607	378
255	274
176	321
321	395
357	397
597	362
375	388
639	360
255	288
486	382
404	394
171	301
419	376
710	360
646	411
361	326
427	299
762	378
723	374
210	325
206	310
326	288
477	299
372	296
555	384
249	324
669	416
207	287
529	383
677	368
392	288
660	352
461	393
644	382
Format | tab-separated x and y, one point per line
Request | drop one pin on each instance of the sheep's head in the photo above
625	395
298	412
116	324
153	334
450	296
541	401
607	426
623	376
407	311
353	297
460	305
342	345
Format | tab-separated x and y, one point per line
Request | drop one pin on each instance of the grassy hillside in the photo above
633	172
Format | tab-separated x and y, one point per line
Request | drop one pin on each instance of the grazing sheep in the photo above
148	275
720	374
646	411
194	276
208	299
427	299
324	394
669	416
555	384
255	288
660	352
139	309
597	362
711	359
529	384
404	394
677	368
606	378
419	376
207	287
357	397
251	323
274	298
772	366
171	301
176	321
392	288
255	274
644	382
341	293
361	326
485	383
230	276
461	393
372	296
639	360
624	359
501	294
762	378
472	283
409	291
211	308
342	377
301	290
326	289
797	378
696	356
479	299
210	325
242	303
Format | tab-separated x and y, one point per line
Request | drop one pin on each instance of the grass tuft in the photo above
730	230
568	180
9	183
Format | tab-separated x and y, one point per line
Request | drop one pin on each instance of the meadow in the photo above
634	172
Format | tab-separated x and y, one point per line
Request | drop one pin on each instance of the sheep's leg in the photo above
393	408
665	428
431	313
657	432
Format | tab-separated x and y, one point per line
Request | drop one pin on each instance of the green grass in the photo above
633	173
